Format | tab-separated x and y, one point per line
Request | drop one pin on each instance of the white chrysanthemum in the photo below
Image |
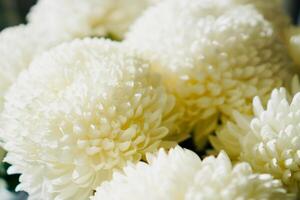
270	141
181	175
88	17
229	135
214	56
80	111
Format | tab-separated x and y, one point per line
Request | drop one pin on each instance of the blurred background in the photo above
14	12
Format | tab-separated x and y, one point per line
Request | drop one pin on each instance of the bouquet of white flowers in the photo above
151	99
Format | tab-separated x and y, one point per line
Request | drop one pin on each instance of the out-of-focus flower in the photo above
293	42
273	11
79	112
18	47
214	56
180	174
270	141
4	193
88	17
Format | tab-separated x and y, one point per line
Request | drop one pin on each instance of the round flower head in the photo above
88	17
214	56
181	175
270	141
79	112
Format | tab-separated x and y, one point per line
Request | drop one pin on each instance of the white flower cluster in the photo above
52	22
181	175
84	117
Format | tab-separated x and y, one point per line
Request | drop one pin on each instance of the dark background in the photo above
13	12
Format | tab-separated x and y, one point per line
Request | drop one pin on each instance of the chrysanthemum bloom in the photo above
214	56
18	46
80	111
270	141
181	175
88	17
